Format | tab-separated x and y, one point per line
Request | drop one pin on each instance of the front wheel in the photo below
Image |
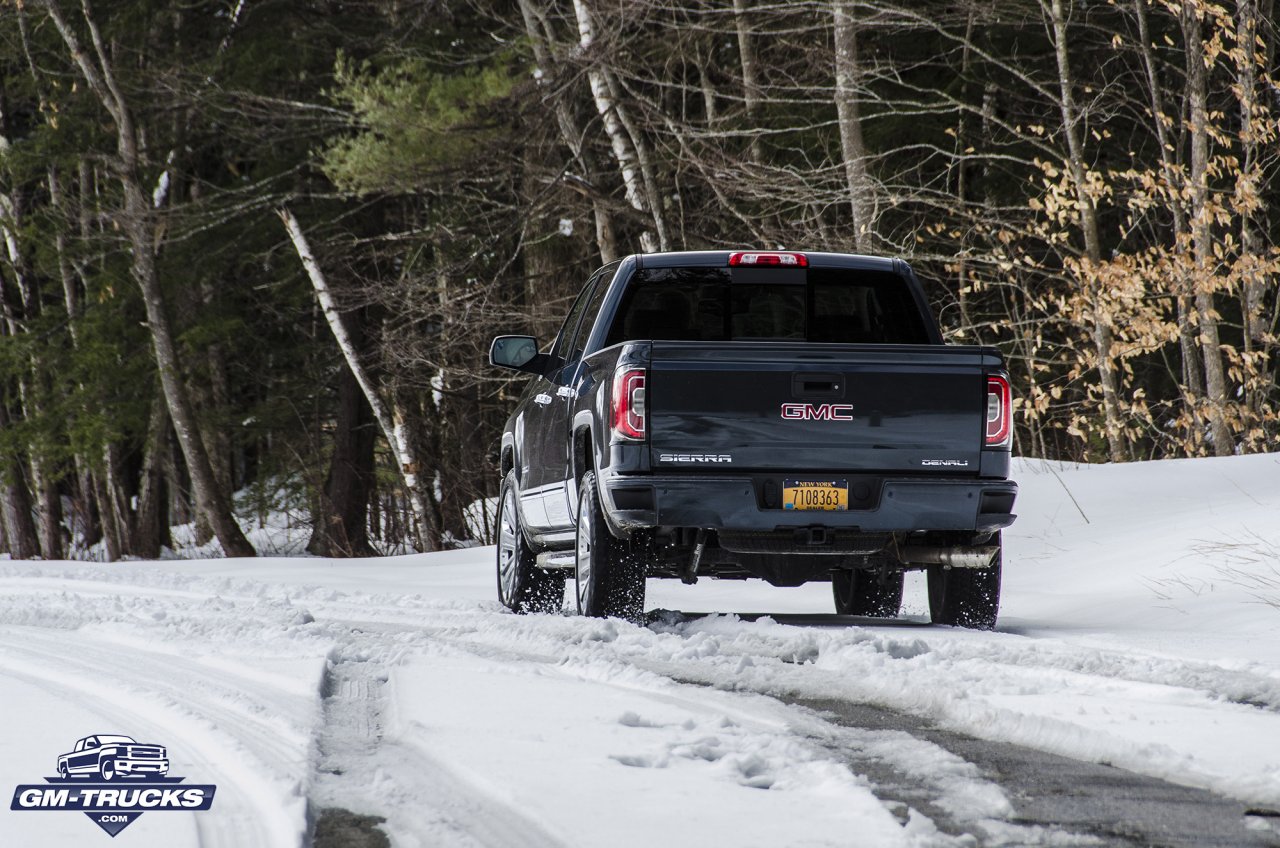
868	593
108	769
966	597
522	585
608	574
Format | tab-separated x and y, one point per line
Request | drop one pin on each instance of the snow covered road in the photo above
1139	628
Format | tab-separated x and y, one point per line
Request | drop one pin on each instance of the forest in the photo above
254	251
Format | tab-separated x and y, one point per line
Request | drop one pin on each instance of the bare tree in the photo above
1072	129
1202	241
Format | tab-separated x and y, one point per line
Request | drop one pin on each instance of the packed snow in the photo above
1140	627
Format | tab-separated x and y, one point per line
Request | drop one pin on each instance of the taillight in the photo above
999	412
628	404
784	260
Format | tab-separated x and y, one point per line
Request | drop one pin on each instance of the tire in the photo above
523	587
966	597
107	768
608	576
63	771
862	592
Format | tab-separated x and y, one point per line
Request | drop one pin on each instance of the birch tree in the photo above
861	199
393	426
629	150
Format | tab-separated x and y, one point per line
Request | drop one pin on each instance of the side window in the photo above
589	315
571	322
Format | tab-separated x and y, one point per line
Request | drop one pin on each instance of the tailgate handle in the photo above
814	384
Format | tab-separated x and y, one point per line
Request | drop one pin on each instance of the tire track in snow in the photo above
996	686
1016	654
959	786
1057	801
363	765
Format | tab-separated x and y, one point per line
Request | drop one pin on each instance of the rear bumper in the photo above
730	502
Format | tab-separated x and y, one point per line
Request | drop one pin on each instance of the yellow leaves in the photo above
1047	168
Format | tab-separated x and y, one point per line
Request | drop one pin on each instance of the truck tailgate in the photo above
806	407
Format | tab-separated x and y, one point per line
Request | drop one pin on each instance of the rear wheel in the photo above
522	586
608	575
869	593
966	597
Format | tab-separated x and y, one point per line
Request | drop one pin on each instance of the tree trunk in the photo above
150	529
967	328
1191	378
750	78
84	514
115	507
341	525
1102	333
849	116
211	411
30	384
210	499
15	504
1215	378
1253	286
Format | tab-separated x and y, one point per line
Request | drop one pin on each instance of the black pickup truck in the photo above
789	416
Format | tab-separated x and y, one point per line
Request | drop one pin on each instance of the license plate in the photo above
815	494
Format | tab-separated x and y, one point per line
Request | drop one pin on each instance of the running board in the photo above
557	559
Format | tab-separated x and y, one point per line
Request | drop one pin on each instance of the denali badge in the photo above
695	457
821	412
950	463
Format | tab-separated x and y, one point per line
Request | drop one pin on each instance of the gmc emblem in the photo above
822	412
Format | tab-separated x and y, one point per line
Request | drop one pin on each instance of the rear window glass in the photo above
837	305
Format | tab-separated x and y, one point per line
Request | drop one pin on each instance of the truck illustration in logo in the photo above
113	779
110	756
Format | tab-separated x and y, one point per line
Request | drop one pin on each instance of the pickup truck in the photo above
788	416
112	756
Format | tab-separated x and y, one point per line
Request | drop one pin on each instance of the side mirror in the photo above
517	352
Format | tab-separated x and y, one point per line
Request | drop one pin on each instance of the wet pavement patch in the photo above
337	828
1118	807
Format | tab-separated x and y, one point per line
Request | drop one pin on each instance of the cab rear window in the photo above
834	305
